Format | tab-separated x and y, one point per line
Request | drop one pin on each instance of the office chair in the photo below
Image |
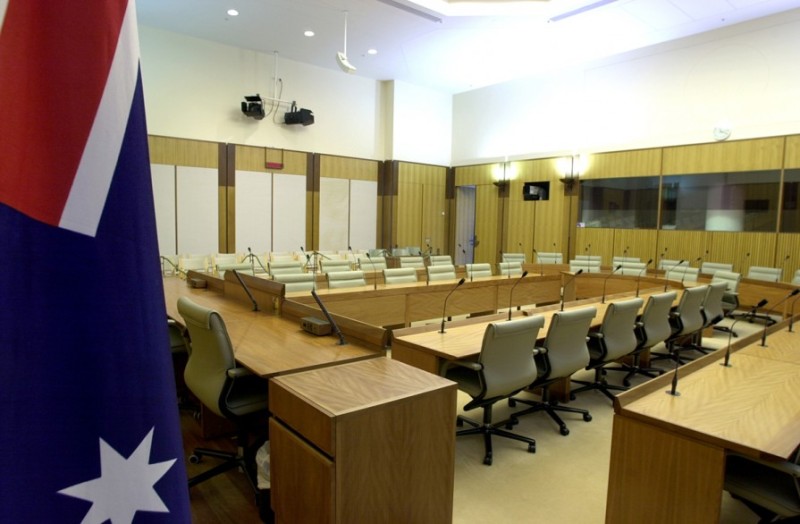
330	265
616	261
585	264
409	261
767	274
372	263
478	270
711	268
293	282
343	279
441	272
509	269
730	299
399	275
505	367
615	339
564	352
549	258
231	392
796	278
683	274
770	489
687	321
652	328
282	267
514	257
179	348
712	309
441	260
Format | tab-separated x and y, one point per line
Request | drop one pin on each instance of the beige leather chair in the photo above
282	267
587	265
769	488
687	320
767	274
416	262
478	270
509	269
343	279
193	263
514	257
436	273
564	352
615	339
549	258
332	265
399	275
710	268
730	299
441	260
224	388
371	263
504	367
294	282
684	274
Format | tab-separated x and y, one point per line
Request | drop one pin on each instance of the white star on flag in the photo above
124	486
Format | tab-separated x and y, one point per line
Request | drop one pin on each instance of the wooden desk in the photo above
264	342
371	441
668	453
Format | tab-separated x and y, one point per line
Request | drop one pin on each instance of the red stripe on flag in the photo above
54	60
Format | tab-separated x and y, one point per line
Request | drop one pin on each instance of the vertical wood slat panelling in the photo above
183	152
641	162
733	248
792	155
349	168
742	155
639	243
420	201
408	214
250	158
595	241
788	245
486	208
685	245
434	219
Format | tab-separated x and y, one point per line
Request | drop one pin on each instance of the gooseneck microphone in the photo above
511	292
374	274
334	325
444	308
541	262
352	256
565	286
767	323
603	300
174	267
252	262
666	274
749	314
246	289
639	276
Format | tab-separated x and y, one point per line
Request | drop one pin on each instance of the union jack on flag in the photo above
90	422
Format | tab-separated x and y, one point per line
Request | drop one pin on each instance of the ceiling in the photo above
450	45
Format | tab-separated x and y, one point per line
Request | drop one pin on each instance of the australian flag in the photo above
90	423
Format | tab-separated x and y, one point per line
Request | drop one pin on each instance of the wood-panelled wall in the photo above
421	211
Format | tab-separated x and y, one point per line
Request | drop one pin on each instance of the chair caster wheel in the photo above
531	448
459	423
572	396
512	403
514	421
509	425
194	459
587	418
487	460
564	431
626	383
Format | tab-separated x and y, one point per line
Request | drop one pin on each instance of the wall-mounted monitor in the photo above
536	191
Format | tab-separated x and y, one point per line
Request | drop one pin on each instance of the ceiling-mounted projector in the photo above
298	116
253	107
345	64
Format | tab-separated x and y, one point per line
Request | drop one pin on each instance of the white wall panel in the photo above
197	210
288	212
253	211
363	214
164	199
334	210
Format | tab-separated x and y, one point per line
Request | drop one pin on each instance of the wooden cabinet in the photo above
371	441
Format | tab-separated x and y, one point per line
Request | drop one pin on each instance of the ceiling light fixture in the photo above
233	12
309	33
372	51
580	10
341	56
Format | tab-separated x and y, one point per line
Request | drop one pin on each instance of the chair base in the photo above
548	407
634	369
230	461
599	384
487	429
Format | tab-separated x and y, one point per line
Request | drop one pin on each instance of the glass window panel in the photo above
745	201
790	214
623	203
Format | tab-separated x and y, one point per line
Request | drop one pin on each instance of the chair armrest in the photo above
474	366
594	334
788	467
238	372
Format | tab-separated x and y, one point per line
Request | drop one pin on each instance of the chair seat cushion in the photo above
762	485
468	380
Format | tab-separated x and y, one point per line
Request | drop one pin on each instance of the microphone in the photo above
639	276
744	259
252	262
666	273
511	293
246	289
444	308
374	274
352	256
174	267
767	323
625	251
603	300
749	314
334	325
565	285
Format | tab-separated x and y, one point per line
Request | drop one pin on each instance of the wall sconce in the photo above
503	173
570	169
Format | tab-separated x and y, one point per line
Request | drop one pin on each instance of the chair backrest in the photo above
769	274
414	251
224	258
371	263
295	281
667	264
619	328
615	261
399	275
710	268
193	262
341	279
632	268
441	260
211	354
412	262
478	270
509	268
590	258
329	265
441	273
689	314
242	267
796	278
587	265
549	258
654	323
507	355
168	266
281	267
514	257
684	274
712	304
730	278
280	256
400	252
567	351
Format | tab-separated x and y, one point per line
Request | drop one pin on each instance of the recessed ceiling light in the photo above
372	51
309	33
233	12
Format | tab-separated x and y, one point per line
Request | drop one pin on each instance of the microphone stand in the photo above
252	262
749	314
565	286
666	273
374	274
174	267
766	324
444	308
603	300
541	263
639	276
511	292
246	289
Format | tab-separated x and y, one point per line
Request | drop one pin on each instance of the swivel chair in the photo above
399	275
227	390
482	270
770	489
505	366
441	272
687	321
